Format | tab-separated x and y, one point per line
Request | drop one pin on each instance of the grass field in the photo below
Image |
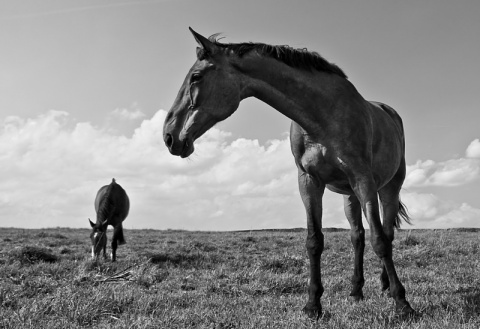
258	279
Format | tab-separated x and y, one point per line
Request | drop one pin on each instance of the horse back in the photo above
389	125
112	203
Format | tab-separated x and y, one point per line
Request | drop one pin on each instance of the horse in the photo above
112	206
339	141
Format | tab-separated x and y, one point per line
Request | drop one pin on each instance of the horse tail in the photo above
402	215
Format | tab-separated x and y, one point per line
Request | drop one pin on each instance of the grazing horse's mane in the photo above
106	206
299	58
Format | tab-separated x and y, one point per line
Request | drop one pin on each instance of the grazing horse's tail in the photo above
401	215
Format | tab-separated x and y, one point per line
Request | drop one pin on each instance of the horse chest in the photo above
319	162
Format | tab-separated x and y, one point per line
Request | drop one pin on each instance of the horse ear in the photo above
91	224
207	46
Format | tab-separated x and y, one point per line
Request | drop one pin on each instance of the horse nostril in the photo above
168	140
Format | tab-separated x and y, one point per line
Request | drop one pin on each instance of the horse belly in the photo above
340	188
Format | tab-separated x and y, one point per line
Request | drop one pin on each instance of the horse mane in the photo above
294	57
107	206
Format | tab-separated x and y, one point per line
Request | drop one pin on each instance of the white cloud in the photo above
421	206
125	114
473	150
52	166
462	216
453	172
429	211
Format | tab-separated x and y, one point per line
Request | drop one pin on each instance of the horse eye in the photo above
195	78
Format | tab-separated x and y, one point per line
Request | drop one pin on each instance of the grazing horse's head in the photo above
98	237
210	93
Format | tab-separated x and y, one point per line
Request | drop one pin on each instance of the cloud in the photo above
52	166
125	114
421	206
429	211
452	172
473	150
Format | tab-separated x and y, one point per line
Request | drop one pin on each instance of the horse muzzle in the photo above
181	146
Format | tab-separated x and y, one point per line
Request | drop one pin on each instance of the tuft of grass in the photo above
410	239
34	254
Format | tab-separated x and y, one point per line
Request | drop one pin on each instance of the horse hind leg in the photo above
353	212
118	238
393	212
389	207
365	190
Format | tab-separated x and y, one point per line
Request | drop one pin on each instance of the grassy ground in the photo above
176	279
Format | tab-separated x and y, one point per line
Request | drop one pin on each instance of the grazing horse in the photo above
112	206
339	141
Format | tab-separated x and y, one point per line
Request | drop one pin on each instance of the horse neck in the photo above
306	97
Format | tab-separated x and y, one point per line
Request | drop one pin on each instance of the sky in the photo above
85	87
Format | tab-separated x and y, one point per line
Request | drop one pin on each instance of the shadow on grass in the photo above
177	259
472	303
33	254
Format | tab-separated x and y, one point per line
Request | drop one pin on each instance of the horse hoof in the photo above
313	311
405	311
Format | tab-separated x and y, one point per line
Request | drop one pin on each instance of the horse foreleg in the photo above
353	212
365	190
311	192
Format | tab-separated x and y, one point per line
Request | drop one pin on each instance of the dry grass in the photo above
177	279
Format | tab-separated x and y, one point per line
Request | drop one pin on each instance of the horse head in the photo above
98	237
210	93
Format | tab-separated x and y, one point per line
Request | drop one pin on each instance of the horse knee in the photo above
357	236
382	246
315	245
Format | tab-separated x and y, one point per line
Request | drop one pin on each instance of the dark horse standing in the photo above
112	206
339	140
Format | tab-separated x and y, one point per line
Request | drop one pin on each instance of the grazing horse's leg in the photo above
105	249
365	189
311	191
353	211
390	199
117	239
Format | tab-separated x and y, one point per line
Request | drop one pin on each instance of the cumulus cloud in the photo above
126	114
52	166
473	150
452	172
429	211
